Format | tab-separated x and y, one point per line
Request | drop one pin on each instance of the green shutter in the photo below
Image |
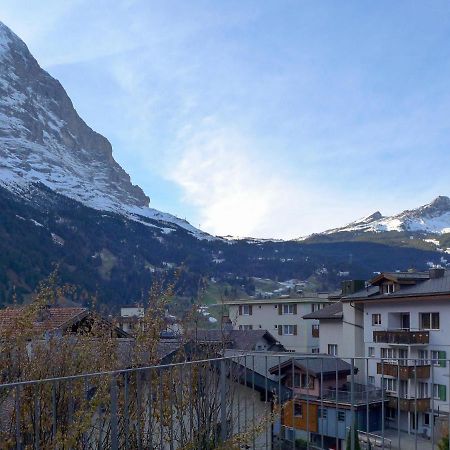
442	359
442	392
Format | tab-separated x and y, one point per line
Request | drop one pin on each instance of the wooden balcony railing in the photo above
409	404
404	372
404	337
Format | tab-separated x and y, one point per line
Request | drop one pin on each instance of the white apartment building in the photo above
341	329
282	317
406	323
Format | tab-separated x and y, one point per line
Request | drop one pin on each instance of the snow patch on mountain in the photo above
433	217
43	140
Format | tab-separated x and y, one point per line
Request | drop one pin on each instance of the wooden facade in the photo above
300	415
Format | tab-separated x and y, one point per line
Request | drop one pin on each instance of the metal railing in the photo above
243	400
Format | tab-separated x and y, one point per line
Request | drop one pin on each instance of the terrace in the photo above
231	401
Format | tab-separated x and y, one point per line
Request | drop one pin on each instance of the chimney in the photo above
437	272
352	286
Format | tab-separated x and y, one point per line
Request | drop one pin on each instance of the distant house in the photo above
132	319
245	340
57	321
283	317
321	408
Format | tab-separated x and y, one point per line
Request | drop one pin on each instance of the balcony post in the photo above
223	406
114	421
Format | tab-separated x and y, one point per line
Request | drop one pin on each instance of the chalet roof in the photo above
333	312
237	339
425	287
400	277
49	319
320	364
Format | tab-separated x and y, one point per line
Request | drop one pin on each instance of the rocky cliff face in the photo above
42	138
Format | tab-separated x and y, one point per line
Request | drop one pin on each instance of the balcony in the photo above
403	372
410	404
402	337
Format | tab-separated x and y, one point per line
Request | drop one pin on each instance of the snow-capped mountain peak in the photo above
44	140
433	217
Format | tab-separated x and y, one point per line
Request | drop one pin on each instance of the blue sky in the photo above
259	118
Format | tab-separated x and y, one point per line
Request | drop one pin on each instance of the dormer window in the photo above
389	288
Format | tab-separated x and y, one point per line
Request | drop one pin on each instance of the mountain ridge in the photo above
44	140
431	218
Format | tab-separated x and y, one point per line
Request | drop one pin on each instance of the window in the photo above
288	308
371	352
422	390
316	306
332	349
307	381
438	358
429	321
426	419
298	410
376	319
315	331
323	413
389	353
288	330
247	327
423	357
296	380
341	416
390	384
371	379
246	310
315	350
440	392
388	288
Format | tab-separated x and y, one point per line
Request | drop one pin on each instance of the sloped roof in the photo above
319	364
53	318
49	319
427	287
239	339
333	311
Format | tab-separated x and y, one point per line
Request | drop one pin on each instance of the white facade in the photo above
132	311
395	315
344	336
282	317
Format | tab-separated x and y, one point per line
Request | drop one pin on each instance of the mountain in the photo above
65	201
433	218
43	139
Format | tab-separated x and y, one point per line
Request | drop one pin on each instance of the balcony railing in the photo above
410	404
222	402
402	337
404	372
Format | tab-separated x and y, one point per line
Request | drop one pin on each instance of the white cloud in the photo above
237	191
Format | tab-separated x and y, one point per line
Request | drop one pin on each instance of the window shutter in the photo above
280	309
442	392
240	310
295	309
442	359
250	310
295	330
280	330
